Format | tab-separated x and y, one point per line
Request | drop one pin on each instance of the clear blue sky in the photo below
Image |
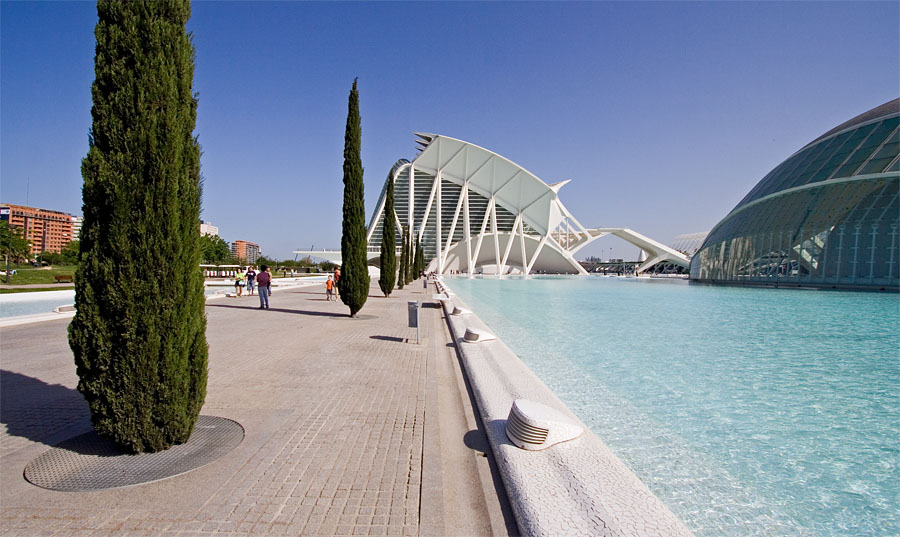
663	114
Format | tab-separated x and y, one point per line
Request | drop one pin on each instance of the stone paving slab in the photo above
334	411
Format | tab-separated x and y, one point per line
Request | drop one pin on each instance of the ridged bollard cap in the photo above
535	426
475	335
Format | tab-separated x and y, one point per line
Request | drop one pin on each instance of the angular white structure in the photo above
478	212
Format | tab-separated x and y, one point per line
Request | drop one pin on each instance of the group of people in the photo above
260	281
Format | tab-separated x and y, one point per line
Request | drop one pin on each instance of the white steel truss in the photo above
462	180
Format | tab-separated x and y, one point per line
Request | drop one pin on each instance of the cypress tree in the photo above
404	246
139	332
388	258
420	258
410	253
354	283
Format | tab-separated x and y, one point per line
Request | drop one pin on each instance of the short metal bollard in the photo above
413	311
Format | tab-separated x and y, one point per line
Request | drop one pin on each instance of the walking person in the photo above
337	276
251	280
329	289
263	281
239	282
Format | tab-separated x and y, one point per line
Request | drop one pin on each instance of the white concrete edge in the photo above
574	488
36	318
56	315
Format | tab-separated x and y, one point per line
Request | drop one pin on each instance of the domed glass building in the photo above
828	216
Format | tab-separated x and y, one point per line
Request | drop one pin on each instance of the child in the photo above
329	289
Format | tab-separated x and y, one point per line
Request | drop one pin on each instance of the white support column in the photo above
411	209
467	232
522	242
437	221
427	214
536	253
456	213
512	237
378	216
498	265
484	221
381	205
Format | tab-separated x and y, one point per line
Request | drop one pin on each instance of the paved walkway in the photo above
351	429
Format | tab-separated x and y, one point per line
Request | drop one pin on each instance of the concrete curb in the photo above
36	318
577	487
56	315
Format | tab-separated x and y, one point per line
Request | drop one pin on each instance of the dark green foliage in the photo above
139	335
214	250
13	244
410	258
354	283
68	256
388	257
419	265
404	248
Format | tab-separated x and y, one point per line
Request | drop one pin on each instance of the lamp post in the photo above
8	250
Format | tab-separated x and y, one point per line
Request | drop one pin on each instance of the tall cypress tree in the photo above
139	332
388	258
354	282
420	258
410	257
404	247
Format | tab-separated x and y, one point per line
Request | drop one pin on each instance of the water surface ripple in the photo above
749	412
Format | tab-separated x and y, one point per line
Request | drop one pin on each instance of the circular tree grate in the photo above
89	462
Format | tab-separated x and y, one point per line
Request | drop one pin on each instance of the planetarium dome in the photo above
828	216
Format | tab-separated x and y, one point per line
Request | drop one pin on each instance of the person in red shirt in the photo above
337	276
263	280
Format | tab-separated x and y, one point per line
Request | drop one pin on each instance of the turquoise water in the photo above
758	412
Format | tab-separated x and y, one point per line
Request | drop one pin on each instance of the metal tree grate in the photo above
89	462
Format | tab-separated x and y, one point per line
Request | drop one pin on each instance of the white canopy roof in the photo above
491	175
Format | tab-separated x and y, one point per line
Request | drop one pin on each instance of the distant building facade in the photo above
76	227
246	251
828	216
48	231
206	228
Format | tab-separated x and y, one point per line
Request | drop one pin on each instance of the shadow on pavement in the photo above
41	412
389	338
282	310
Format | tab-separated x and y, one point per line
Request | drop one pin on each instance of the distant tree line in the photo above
13	245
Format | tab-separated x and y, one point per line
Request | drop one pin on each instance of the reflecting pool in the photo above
762	412
15	304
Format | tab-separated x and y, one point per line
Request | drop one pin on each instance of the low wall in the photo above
577	487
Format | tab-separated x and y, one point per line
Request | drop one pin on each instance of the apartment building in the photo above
48	231
246	251
207	228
